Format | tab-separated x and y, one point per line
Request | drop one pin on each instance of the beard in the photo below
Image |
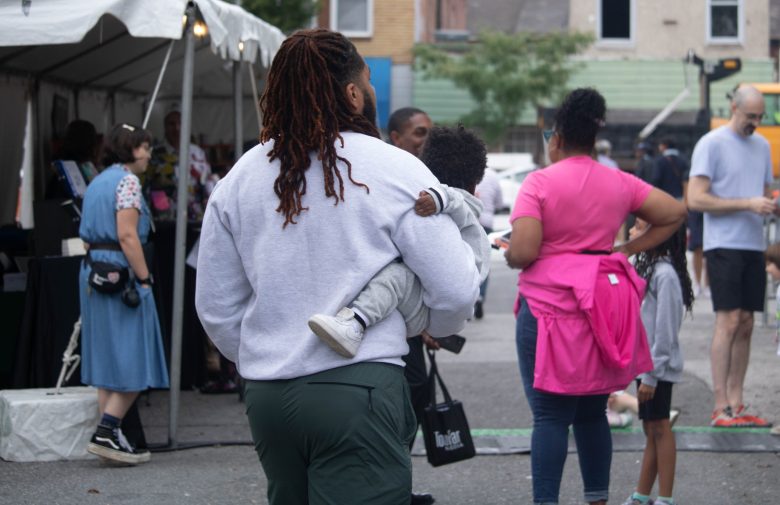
369	107
749	129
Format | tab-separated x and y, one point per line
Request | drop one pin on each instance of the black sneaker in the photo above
111	444
478	310
421	499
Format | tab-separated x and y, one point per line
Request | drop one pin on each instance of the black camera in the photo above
130	296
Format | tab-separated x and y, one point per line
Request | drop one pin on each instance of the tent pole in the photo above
157	85
256	97
238	125
181	226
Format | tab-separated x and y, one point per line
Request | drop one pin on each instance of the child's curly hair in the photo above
456	156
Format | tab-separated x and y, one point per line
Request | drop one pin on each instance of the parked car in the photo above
510	180
511	169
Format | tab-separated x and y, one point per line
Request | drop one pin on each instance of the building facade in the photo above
385	32
636	60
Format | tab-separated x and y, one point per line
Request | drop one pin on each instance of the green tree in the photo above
504	74
287	15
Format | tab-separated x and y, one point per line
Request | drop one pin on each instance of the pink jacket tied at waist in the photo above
590	338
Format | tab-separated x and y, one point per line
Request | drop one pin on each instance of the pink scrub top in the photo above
580	203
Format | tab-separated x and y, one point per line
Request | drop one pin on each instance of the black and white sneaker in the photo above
111	444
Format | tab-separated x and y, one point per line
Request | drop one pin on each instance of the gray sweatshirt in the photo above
465	209
258	283
662	314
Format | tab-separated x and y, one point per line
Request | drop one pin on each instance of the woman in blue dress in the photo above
121	346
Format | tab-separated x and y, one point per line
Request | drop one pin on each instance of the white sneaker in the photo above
696	290
632	501
342	332
673	415
619	419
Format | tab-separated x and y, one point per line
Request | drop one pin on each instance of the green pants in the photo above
338	437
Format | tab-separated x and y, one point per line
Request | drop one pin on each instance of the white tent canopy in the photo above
96	59
104	56
55	22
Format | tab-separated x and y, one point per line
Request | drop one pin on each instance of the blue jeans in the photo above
553	414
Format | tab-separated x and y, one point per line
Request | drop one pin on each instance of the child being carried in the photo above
457	157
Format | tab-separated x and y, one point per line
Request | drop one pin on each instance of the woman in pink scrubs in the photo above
579	335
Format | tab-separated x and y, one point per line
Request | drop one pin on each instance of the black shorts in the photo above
737	279
695	230
661	404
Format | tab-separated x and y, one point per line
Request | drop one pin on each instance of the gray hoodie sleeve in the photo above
668	316
465	209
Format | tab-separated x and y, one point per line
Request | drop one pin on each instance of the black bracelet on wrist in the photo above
149	280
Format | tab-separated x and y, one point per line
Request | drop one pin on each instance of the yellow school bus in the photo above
770	125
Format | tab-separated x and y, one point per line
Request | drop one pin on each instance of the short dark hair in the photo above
399	117
580	117
121	141
772	254
669	142
456	156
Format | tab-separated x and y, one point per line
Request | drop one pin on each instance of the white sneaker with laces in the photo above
342	332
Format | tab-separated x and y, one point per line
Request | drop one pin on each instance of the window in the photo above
616	21
724	21
353	18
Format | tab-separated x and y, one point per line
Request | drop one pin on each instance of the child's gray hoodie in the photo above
662	314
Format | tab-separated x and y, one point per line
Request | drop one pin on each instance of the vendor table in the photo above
51	307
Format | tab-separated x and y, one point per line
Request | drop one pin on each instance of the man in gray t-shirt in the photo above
730	174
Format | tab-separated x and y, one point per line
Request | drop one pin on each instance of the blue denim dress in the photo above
121	347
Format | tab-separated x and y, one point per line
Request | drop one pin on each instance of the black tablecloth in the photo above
51	308
11	309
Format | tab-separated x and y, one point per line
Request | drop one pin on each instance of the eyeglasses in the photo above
547	134
750	116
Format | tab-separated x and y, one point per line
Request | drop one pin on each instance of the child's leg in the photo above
666	454
649	468
660	452
394	287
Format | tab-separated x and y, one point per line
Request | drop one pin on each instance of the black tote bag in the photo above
445	428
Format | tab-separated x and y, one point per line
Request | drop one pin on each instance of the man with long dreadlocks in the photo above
301	223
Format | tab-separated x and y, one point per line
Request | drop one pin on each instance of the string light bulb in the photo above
241	46
199	29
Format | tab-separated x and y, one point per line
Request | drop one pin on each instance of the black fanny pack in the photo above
108	278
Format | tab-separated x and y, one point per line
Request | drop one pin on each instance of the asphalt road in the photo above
484	377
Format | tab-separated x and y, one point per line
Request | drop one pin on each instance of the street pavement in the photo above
217	464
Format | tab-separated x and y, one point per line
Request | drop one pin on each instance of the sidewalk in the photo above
484	377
